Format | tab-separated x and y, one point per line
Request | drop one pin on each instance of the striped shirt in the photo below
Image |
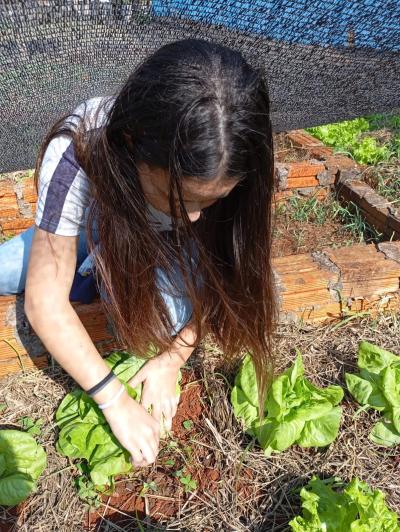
64	195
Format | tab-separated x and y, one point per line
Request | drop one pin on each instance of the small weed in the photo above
87	491
188	450
310	209
186	479
3	406
148	486
31	426
188	424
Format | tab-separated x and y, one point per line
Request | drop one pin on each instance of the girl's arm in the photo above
179	352
50	274
51	271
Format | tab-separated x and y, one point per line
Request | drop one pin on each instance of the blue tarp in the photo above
370	23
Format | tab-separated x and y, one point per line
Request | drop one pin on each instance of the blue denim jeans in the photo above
14	257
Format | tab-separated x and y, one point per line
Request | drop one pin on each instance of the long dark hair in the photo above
195	109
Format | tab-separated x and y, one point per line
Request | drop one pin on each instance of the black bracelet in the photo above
99	386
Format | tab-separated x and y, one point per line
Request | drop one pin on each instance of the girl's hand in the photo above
159	376
135	429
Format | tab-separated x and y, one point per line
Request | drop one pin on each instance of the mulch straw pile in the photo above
237	488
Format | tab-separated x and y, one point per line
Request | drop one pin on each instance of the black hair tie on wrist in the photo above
100	385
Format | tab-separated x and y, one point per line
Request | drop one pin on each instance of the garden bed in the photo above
209	474
237	487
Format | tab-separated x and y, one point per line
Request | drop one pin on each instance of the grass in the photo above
311	210
385	179
353	220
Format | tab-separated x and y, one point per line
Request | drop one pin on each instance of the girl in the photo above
163	192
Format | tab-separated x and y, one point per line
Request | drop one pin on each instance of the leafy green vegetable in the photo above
296	411
22	461
357	508
85	433
377	386
352	136
87	492
31	426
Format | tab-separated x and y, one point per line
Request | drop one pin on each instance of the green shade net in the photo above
324	61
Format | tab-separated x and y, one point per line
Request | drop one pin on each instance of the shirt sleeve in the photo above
63	194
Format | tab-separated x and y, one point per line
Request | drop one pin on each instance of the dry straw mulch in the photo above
253	493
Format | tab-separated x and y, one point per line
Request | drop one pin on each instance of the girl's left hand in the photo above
159	376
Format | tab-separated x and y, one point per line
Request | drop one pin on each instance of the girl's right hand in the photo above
135	429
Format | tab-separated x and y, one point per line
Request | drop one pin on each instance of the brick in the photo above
302	182
6	188
14	227
375	208
29	191
282	195
321	152
9	199
326	178
341	162
8	212
281	174
303	169
302	139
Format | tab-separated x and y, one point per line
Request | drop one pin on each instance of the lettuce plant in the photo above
85	433
22	461
357	508
296	411
377	386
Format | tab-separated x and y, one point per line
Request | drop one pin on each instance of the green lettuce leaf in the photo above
374	358
278	436
378	386
22	461
321	431
296	411
246	380
84	431
243	408
384	433
357	508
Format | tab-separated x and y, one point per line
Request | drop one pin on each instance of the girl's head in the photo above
189	133
188	118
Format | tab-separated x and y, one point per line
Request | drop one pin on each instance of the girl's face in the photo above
196	194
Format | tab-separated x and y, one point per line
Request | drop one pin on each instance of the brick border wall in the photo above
345	177
17	205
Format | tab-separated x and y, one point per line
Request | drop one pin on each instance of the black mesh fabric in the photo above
324	60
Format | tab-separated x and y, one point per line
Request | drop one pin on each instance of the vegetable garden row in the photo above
296	412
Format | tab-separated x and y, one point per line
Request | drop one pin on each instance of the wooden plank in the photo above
305	282
297	302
